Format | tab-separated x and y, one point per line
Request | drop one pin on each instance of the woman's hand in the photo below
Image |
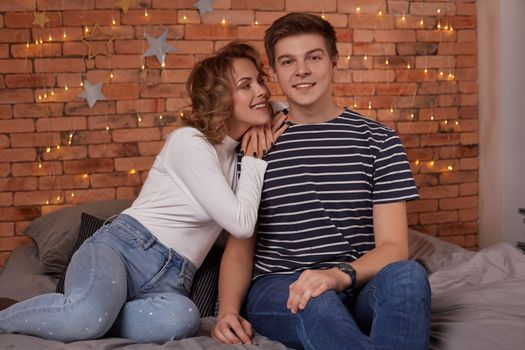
258	140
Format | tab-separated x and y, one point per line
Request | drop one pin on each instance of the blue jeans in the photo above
392	311
122	281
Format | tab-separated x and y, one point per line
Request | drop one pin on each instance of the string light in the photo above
81	83
438	11
72	194
256	23
27	44
409	66
41	41
421	23
403	18
417	162
86	29
386	61
412	115
369	104
146	14
457	122
58	147
47	202
48	149
160	117
52	92
58	198
450	168
163	64
357	9
111	75
391	110
139	118
379	13
39	97
113	21
66	88
49	38
425	70
64	35
132	171
40	165
431	163
70	138
431	117
107	127
223	22
365	57
184	18
85	176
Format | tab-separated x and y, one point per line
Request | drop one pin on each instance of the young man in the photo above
329	261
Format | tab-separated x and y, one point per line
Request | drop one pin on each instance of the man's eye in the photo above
286	62
315	58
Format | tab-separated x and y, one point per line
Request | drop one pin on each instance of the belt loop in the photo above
110	219
150	242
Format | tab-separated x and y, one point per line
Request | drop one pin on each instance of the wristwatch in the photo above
350	271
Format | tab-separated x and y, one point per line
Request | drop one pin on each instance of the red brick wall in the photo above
389	69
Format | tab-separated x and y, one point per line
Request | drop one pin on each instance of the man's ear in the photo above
334	61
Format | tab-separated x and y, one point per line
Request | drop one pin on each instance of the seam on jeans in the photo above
303	331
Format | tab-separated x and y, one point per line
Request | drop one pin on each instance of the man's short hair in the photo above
296	23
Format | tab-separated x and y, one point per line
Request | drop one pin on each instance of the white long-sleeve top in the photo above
192	193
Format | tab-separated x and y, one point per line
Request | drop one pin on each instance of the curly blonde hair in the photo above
210	87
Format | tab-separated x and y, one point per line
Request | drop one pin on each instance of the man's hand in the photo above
232	329
312	283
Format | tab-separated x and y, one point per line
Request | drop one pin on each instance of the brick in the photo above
422	205
117	122
114	179
439	139
121	61
232	17
17	184
365	21
450	191
20	5
416	101
89	166
371	76
395	35
258	4
467	35
61	124
417	127
463	48
4	140
121	91
14	35
17	154
377	49
19	213
137	163
469	138
365	6
69	5
38	110
29	80
466	9
418	48
15	66
59	65
5	111
209	32
7	229
155	17
438	217
354	89
127	192
150	148
396	89
33	169
62	182
82	109
458	203
90	195
431	8
113	150
5	169
466	61
90	18
6	200
57	34
67	152
16	125
461	22
150	134
163	90
88	137
310	6
445	87
44	50
457	177
140	105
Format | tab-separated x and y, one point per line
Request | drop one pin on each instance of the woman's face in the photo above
250	98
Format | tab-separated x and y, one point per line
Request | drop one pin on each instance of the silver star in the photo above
92	93
204	6
158	46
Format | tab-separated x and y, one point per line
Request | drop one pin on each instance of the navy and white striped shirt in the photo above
319	189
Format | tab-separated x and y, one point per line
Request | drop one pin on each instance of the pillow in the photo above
56	233
204	290
89	224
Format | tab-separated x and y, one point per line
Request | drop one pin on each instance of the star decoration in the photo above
125	4
40	19
92	93
97	35
203	6
158	47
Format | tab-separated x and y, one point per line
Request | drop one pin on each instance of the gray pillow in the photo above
56	233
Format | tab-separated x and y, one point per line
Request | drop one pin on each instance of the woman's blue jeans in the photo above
392	311
122	281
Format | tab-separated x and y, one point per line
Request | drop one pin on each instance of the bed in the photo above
478	298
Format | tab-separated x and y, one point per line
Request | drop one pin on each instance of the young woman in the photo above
133	276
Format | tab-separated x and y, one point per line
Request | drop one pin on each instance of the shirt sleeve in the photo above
192	162
393	179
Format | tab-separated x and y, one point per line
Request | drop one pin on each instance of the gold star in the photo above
125	4
40	19
91	36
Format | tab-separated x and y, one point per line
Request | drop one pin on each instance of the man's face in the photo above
304	70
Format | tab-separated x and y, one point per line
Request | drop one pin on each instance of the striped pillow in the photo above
204	290
89	224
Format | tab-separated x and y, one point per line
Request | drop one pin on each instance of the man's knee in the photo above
407	277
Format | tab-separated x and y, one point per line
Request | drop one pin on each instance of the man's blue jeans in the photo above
121	279
392	311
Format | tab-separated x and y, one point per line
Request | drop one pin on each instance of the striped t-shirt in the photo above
320	186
